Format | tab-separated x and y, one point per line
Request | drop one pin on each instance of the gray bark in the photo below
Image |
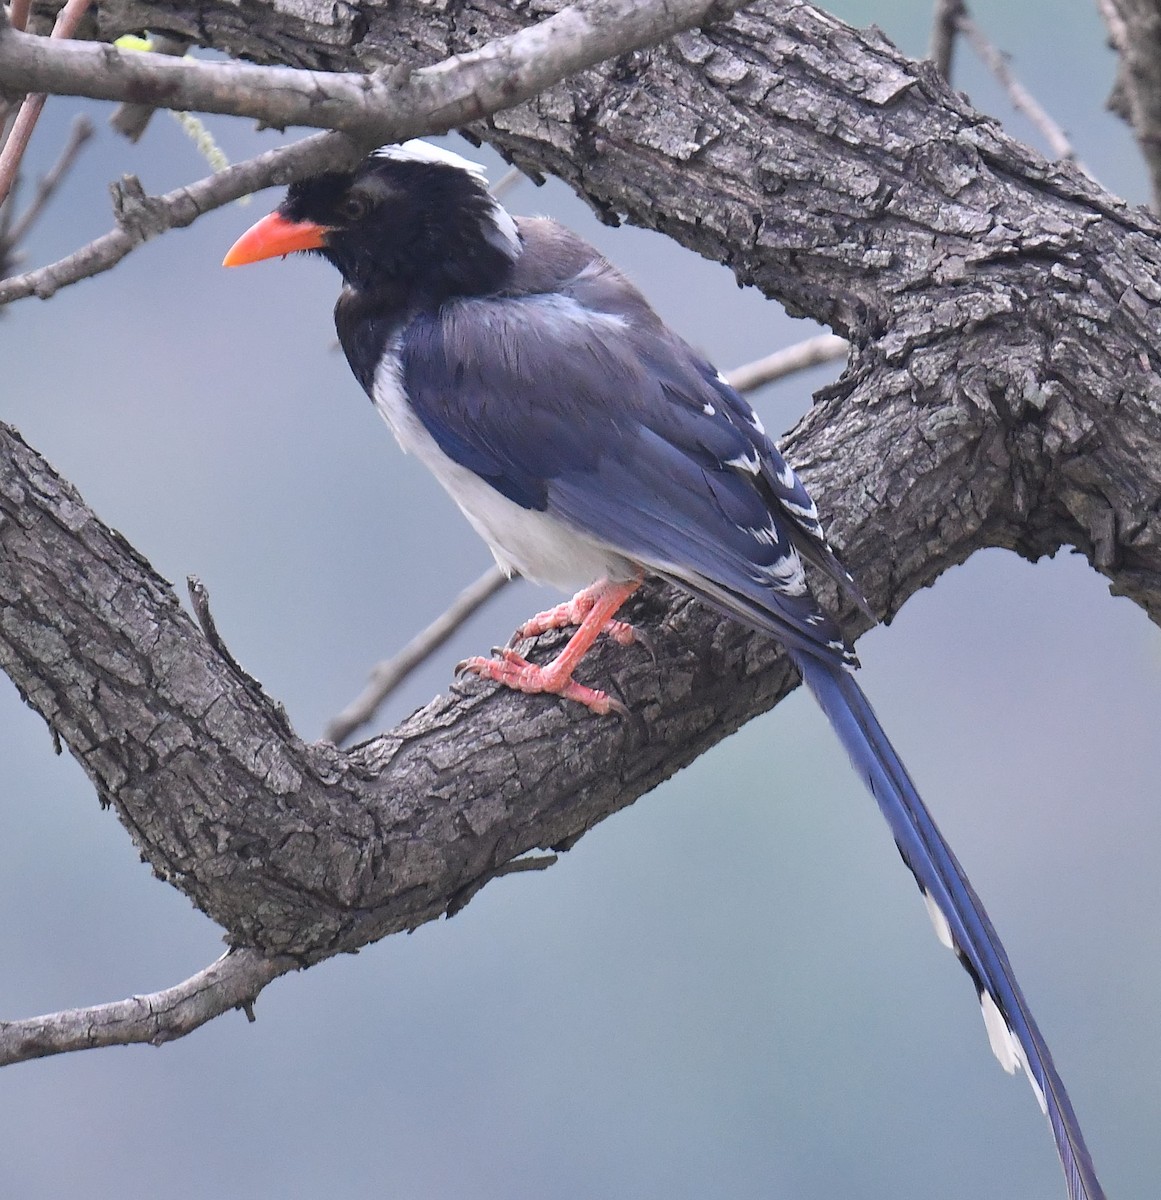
1002	391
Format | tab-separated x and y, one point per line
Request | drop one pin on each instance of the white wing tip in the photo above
1006	1046
938	920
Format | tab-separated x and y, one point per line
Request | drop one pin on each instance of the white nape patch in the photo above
746	462
942	928
418	150
531	543
502	232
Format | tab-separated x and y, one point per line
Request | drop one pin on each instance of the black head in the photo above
413	222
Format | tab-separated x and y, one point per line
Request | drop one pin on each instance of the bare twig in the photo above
943	30
460	89
387	675
234	981
79	134
826	347
17	141
381	106
14	147
1021	98
140	217
507	182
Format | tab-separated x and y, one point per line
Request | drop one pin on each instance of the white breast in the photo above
525	541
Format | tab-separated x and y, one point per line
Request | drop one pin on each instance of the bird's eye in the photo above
353	207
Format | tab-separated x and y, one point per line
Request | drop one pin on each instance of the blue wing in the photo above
609	423
584	406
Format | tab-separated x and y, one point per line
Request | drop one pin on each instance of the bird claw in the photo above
522	676
573	612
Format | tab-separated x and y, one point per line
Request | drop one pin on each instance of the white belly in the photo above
525	541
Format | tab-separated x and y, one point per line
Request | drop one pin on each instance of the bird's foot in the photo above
574	612
522	676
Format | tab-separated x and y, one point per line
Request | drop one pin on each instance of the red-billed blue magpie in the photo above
584	440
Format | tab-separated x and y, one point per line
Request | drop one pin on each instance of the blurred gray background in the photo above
730	990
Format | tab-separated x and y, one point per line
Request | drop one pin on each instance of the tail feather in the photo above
959	918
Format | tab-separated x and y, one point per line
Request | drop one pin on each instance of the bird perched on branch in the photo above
584	440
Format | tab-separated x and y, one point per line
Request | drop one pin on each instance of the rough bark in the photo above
1002	392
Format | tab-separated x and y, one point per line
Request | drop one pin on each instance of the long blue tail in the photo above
959	918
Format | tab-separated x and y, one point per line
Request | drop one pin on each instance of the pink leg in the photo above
600	602
573	612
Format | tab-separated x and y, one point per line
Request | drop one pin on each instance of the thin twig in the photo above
531	862
141	217
943	31
507	182
12	152
387	675
825	347
79	134
1019	95
234	981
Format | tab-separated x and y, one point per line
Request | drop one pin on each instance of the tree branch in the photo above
1003	390
810	352
79	133
387	675
1021	98
234	981
141	217
462	88
377	107
15	144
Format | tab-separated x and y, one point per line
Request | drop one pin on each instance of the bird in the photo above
586	441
